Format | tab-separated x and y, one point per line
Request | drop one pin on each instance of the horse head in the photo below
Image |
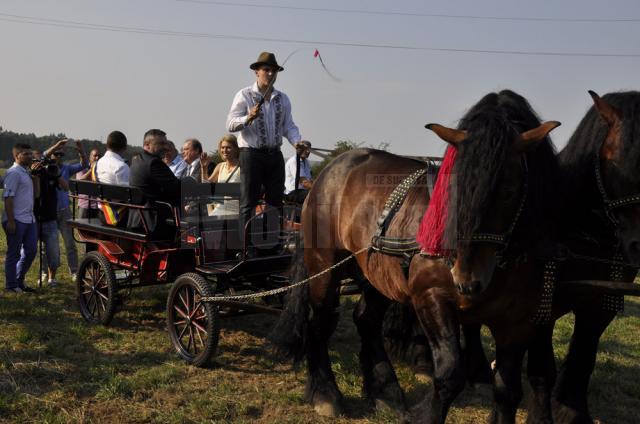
490	186
616	166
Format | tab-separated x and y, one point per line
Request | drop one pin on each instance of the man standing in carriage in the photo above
261	115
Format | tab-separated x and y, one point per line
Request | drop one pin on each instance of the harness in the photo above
404	248
611	205
612	302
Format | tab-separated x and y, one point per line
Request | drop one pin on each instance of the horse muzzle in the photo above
469	289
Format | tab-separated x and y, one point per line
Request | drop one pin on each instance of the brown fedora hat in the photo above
266	58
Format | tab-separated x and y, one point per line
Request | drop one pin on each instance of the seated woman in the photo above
227	171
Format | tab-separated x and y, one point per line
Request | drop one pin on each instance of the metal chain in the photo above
282	289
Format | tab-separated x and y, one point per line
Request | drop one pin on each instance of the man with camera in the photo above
18	221
48	174
63	209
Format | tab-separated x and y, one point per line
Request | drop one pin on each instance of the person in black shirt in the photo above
45	211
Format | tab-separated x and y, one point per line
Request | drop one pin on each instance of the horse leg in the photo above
321	389
569	399
380	384
507	388
476	365
541	372
438	316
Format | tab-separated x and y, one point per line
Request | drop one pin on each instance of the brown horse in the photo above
506	160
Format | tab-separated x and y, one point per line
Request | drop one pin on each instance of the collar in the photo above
24	168
177	160
111	153
255	90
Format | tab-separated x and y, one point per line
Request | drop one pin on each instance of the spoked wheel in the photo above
193	325
96	289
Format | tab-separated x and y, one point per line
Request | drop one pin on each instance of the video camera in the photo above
45	167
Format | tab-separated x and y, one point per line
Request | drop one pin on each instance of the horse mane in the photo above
492	125
578	155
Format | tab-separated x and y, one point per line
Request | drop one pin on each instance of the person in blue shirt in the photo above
64	211
18	220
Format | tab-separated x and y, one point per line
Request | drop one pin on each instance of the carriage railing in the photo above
130	198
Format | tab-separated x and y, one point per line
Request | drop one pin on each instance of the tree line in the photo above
9	138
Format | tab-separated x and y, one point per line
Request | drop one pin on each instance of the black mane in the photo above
492	125
578	155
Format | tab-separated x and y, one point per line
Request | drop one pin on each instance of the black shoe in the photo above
14	289
28	289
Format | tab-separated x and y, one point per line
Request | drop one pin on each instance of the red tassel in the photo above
430	235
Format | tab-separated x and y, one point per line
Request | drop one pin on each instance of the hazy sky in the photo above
176	64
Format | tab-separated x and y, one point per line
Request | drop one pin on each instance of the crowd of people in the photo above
36	198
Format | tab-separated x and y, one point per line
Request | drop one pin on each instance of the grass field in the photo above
54	368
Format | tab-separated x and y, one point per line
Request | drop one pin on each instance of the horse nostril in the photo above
476	287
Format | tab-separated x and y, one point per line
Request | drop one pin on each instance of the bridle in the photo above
611	205
504	239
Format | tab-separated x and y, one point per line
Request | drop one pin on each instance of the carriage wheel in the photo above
193	325
96	289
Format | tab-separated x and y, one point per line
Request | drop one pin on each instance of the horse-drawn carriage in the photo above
202	256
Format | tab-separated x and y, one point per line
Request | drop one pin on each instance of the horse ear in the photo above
530	139
449	135
613	118
610	114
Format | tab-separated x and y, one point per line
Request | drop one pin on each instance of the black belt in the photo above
265	149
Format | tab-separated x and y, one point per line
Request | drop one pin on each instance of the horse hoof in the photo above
564	414
326	409
388	405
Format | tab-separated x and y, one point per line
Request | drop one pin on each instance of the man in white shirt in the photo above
298	169
111	168
262	116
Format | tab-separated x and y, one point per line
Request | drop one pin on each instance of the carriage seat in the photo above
119	196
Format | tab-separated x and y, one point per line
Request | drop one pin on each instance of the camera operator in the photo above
64	211
18	221
45	210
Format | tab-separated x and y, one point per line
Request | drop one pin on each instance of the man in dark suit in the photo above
150	174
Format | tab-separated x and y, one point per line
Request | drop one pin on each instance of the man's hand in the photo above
205	160
60	144
253	113
11	226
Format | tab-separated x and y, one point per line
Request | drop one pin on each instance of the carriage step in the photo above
349	289
280	279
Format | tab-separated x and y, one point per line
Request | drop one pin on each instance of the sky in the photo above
87	67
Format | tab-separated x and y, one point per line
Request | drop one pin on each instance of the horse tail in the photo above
291	332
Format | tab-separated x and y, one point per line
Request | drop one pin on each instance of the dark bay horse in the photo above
600	235
506	165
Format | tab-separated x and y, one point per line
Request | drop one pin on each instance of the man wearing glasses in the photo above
261	115
64	210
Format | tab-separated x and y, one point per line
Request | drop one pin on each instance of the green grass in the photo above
55	368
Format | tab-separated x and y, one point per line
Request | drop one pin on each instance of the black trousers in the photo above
261	169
